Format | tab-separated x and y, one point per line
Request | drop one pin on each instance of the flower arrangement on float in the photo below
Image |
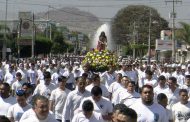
100	61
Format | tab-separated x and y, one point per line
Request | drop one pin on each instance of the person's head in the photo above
187	80
121	113
96	93
88	81
21	98
116	110
183	96
87	108
18	76
162	99
162	80
149	74
47	77
124	81
4	119
40	106
147	94
32	65
62	81
27	87
119	77
96	79
81	83
4	90
172	82
130	86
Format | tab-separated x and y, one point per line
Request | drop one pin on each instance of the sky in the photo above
103	9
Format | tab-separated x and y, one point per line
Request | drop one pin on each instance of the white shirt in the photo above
5	104
32	74
9	77
180	78
59	97
152	113
112	89
151	82
181	112
44	89
108	78
17	85
24	74
129	98
105	92
72	103
173	97
16	111
30	116
103	106
70	75
96	117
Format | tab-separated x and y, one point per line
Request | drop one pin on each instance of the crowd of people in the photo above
50	90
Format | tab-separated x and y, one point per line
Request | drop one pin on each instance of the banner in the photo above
26	23
163	45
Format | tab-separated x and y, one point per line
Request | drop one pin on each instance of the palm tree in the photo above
183	34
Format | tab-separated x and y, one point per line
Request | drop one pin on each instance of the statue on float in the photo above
102	43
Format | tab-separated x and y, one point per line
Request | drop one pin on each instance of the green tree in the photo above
133	21
183	33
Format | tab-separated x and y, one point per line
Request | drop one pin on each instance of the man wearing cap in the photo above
15	111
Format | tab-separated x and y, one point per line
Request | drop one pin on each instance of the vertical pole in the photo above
33	38
134	41
149	37
173	28
4	49
18	39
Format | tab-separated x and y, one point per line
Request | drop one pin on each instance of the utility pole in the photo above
33	35
134	40
173	15
18	38
4	49
149	36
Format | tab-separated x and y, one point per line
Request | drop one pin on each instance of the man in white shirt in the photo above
74	99
187	83
17	85
101	104
15	111
129	96
23	72
163	101
10	75
121	113
71	79
32	75
149	80
172	92
179	76
39	111
114	87
45	88
146	109
181	110
6	100
109	76
96	82
161	87
88	114
58	98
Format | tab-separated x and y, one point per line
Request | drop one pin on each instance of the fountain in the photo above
106	28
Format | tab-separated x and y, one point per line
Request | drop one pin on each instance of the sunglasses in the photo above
20	92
